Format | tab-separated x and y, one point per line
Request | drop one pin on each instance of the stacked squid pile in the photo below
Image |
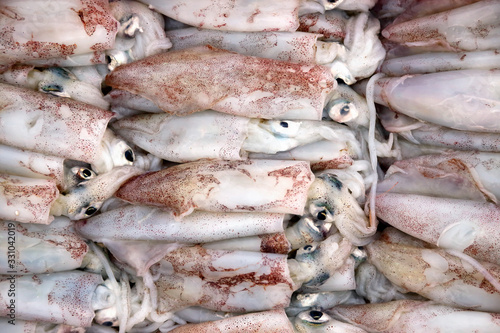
249	166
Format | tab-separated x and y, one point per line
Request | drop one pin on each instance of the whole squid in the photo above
414	316
440	275
203	78
445	98
84	29
223	186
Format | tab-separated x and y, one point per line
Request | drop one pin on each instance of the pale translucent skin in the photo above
241	15
30	28
423	133
260	322
434	273
201	78
141	33
440	61
209	134
61	298
27	200
451	174
428	7
260	185
25	163
416	316
361	52
464	100
47	249
147	223
467	28
266	243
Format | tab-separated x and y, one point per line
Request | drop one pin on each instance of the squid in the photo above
319	321
217	135
359	41
422	133
331	24
463	183
444	276
236	15
467	28
415	9
266	243
35	200
242	86
325	300
445	98
460	175
440	62
55	81
273	321
84	30
153	224
61	298
40	249
233	281
27	199
223	186
413	316
140	34
51	125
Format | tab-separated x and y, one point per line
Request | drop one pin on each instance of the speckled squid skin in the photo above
51	125
234	281
30	30
233	15
27	200
433	272
274	321
224	186
201	78
296	47
61	298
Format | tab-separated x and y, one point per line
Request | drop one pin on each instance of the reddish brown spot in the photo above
252	17
275	243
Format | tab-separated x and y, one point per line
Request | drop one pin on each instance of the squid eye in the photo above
322	215
90	211
85	173
52	88
345	110
107	323
284	124
316	315
129	155
307	247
